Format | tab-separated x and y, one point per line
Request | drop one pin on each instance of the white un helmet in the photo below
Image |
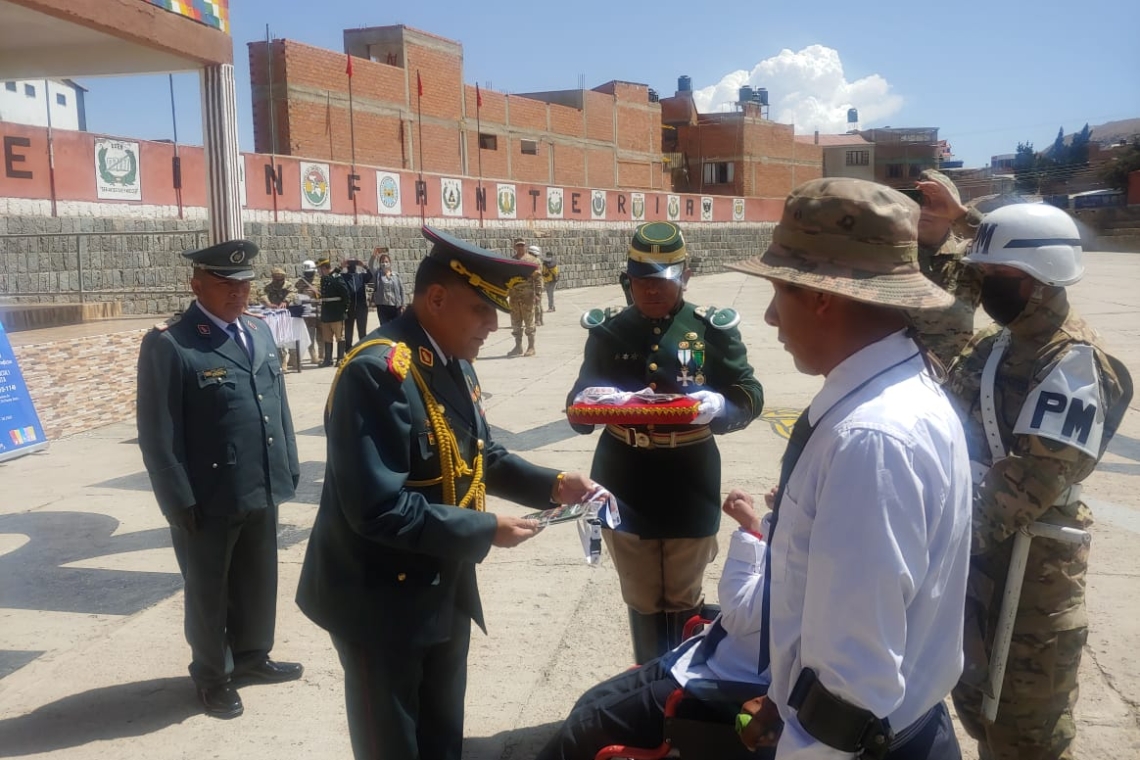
1040	240
308	265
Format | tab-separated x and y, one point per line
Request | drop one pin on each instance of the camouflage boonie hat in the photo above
851	237
277	272
930	175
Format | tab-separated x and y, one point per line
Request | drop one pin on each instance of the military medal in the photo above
684	355
699	358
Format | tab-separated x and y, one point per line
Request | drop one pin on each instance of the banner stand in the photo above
20	429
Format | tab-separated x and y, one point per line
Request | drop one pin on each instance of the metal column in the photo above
223	161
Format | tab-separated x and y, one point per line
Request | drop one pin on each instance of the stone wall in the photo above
137	261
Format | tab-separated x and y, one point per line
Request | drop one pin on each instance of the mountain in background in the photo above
1107	134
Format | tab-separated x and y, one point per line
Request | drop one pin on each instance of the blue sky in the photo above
988	74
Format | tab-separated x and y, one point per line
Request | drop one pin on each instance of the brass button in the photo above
214	465
260	397
266	418
652	367
653	386
270	440
655	347
656	330
401	576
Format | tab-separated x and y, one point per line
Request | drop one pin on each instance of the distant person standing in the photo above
388	290
334	305
217	441
549	278
522	300
308	285
357	277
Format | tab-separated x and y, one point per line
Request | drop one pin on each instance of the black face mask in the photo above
1001	298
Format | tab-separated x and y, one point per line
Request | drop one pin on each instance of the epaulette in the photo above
596	317
721	319
399	360
164	326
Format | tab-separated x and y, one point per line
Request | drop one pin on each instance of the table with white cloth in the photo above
288	331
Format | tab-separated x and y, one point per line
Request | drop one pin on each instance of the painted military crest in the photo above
738	209
117	175
597	204
553	203
706	209
315	190
388	193
637	206
451	196
507	201
673	208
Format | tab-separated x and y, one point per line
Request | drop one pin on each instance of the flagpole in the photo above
51	153
176	162
420	119
328	123
479	144
351	132
272	119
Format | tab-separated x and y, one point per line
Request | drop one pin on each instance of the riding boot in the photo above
649	635
675	625
327	362
517	350
529	346
339	352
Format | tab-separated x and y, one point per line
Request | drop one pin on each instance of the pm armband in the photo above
836	722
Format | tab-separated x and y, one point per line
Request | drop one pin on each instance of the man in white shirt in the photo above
628	709
870	539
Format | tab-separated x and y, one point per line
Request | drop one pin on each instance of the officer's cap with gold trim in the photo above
492	276
232	259
657	250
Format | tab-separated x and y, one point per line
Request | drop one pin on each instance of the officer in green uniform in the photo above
666	478
1041	400
217	441
335	300
390	567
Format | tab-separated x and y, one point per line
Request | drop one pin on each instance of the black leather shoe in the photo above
270	672
221	701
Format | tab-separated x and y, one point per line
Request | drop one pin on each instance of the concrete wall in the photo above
147	274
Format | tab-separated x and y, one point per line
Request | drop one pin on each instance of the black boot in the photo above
339	352
328	354
675	625
649	635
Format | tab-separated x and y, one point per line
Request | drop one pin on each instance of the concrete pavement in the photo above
92	659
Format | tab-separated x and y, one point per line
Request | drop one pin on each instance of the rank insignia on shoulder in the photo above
400	360
595	317
721	319
209	374
426	356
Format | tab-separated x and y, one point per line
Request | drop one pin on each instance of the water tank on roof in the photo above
761	96
745	94
852	116
653	95
684	83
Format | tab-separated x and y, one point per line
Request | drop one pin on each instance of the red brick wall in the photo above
569	165
600	167
599	109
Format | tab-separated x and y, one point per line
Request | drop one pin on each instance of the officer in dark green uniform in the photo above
335	300
390	568
666	478
217	440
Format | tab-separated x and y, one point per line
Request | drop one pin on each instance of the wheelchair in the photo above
700	719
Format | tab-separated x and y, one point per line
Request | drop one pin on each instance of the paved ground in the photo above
92	659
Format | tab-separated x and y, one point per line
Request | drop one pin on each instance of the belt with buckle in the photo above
645	439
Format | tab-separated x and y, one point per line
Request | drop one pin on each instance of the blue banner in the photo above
20	429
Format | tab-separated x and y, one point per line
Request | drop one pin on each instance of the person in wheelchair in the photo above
630	708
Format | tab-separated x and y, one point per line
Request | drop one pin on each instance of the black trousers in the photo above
386	313
934	740
626	709
229	565
359	316
405	702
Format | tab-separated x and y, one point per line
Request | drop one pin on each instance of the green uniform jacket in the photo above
668	493
334	286
386	558
214	429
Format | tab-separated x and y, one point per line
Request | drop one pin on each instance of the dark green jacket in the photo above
333	286
668	493
215	431
387	558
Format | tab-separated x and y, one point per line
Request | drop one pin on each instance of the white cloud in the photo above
807	89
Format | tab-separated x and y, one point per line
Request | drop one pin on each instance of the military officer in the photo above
390	567
1041	399
276	293
945	228
523	299
217	441
666	478
335	300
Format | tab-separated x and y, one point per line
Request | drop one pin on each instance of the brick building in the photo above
740	152
902	153
413	111
847	155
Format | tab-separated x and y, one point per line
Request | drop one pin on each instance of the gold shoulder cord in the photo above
451	464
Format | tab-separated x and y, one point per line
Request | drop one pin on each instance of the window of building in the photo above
894	171
529	147
489	142
718	172
30	90
61	99
915	170
10	86
858	157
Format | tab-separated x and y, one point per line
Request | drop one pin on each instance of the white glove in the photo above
712	406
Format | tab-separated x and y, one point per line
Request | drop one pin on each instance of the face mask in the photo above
1001	298
386	267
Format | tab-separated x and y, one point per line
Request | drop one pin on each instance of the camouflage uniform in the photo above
1031	484
523	298
275	294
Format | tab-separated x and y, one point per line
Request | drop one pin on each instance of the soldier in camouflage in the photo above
523	297
1041	400
945	229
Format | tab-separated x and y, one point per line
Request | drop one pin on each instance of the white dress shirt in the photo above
870	553
246	343
740	593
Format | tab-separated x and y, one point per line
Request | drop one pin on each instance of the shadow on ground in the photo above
515	744
113	712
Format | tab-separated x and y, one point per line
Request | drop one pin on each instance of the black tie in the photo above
235	331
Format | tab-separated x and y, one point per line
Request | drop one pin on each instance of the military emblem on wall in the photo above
506	201
738	209
637	206
117	175
388	193
706	209
554	202
673	208
451	196
315	190
597	204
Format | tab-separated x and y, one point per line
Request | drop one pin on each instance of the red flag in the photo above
348	68
419	85
478	97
